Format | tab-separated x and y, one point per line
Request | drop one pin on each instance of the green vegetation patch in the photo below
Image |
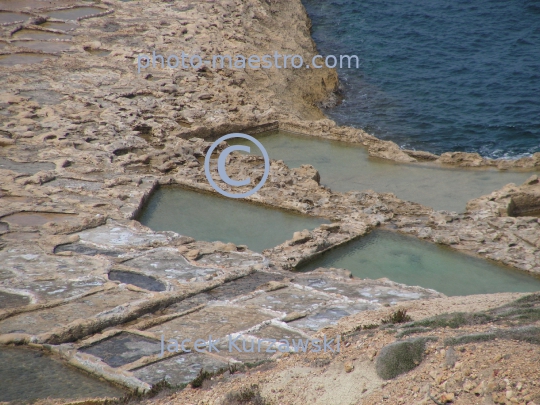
523	311
454	320
528	334
399	316
400	357
245	396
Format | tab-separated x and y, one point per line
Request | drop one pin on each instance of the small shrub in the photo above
320	362
400	357
528	300
137	397
233	368
412	330
246	396
454	320
201	377
358	328
399	316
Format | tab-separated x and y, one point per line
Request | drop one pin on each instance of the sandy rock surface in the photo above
84	142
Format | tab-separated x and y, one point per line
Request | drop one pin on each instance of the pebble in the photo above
447	397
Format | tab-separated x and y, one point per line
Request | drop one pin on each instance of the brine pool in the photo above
345	167
408	260
210	218
29	375
382	253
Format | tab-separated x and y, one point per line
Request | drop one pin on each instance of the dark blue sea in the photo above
438	75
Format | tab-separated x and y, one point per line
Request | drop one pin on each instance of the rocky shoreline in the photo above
85	141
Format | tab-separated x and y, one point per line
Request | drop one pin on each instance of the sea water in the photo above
435	75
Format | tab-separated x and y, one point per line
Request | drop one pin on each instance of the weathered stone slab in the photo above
170	264
226	292
218	321
290	299
330	315
228	259
180	369
249	349
272	331
244	285
10	300
75	184
115	235
187	304
379	291
123	349
49	277
45	320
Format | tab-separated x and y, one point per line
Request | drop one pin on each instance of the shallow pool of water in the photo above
6	17
405	259
45	46
137	279
74	13
39	35
18	5
45	97
18	236
25	167
62	26
22	59
98	52
37	218
30	375
9	300
207	217
345	167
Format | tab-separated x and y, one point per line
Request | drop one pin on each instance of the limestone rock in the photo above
447	397
389	150
462	159
6	141
531	180
38	178
301	237
308	172
339	273
193	254
421	155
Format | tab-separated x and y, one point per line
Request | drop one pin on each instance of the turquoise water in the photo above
345	167
437	75
405	259
210	218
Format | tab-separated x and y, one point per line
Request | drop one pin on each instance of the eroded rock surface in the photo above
85	139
